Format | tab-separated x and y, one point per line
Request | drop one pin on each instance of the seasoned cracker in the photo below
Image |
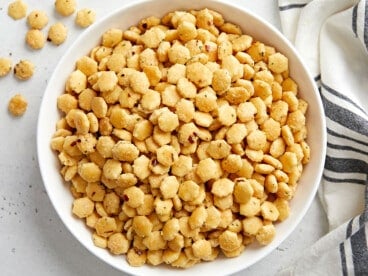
24	69
57	33
17	9
65	7
5	66
85	17
35	39
37	19
17	105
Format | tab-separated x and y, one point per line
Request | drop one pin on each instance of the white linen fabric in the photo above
332	38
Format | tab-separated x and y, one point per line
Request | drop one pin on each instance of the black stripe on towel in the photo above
354	20
344	180
365	213
360	251
343	260
292	6
346	165
341	96
340	147
345	117
349	228
333	133
361	220
366	25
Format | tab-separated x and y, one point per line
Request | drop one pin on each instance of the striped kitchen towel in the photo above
332	38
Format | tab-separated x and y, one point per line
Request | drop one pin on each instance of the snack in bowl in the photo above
173	152
181	137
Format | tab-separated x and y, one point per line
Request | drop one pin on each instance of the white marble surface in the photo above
33	240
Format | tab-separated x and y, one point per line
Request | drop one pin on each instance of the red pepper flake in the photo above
126	198
154	162
192	137
138	251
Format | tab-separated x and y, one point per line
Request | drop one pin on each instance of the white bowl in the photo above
130	15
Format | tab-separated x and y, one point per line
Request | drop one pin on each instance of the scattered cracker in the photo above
37	19
5	66
17	105
35	39
85	17
57	33
65	7
17	9
24	70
